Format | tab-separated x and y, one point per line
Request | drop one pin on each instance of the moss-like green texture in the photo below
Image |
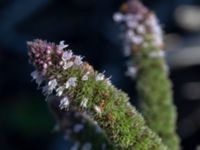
107	105
155	94
78	129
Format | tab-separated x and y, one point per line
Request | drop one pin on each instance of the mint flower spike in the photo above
143	42
73	125
106	105
77	129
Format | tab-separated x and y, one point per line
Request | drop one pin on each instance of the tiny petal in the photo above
97	109
108	81
71	82
132	24
67	55
118	17
130	34
99	77
84	102
141	29
132	71
37	77
62	45
60	91
64	103
85	77
52	84
35	74
78	60
137	40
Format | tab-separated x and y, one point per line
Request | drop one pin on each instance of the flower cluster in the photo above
141	31
141	25
48	58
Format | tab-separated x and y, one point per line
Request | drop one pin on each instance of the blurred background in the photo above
87	25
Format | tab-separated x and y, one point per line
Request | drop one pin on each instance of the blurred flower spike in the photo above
141	27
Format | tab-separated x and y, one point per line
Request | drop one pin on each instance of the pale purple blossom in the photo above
97	109
37	77
64	103
132	24
85	76
132	71
99	77
71	82
60	90
78	60
141	29
52	84
62	45
137	39
67	55
118	17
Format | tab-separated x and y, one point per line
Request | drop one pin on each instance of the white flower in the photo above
67	65
156	54
151	21
64	103
67	55
35	74
85	77
97	109
130	34
62	45
84	102
118	17
132	71
71	82
52	84
157	41
132	24
137	39
99	77
141	29
60	90
37	77
78	60
108	81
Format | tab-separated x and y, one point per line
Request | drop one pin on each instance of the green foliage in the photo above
155	94
78	128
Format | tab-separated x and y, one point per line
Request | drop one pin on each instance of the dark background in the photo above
25	121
